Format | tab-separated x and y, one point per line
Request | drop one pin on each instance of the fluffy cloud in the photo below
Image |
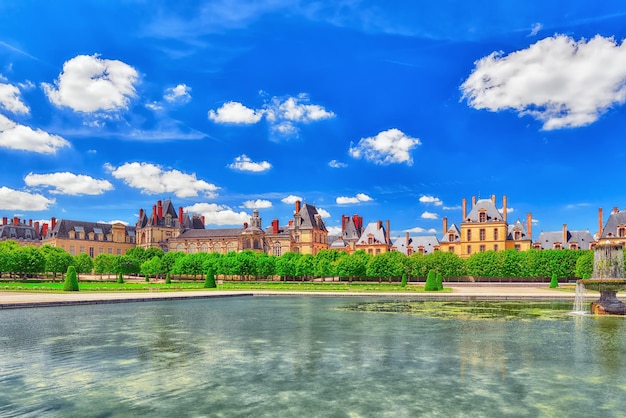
24	138
113	222
178	94
16	200
458	207
69	183
323	213
431	200
337	164
419	230
558	81
360	197
388	147
429	215
333	231
534	30
10	99
282	114
257	204
244	163
235	112
153	179
291	199
89	84
215	214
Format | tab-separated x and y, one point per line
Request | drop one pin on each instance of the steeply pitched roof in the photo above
64	226
210	233
309	218
520	227
350	231
19	232
493	214
427	242
615	220
377	231
548	239
456	232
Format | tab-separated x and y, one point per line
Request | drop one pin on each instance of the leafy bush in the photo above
404	280
71	281
120	278
209	283
431	282
167	279
554	282
439	281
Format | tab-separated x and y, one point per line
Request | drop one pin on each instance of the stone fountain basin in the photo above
602	285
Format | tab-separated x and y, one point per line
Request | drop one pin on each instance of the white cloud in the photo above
558	81
89	84
282	114
257	204
429	215
534	30
10	99
345	200
291	199
116	221
215	214
337	164
508	210
388	147
244	163
24	138
323	213
153	179
69	183
179	94
431	200
16	200
458	207
333	231
419	230
235	112
154	106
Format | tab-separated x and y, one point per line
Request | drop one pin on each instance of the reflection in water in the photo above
303	356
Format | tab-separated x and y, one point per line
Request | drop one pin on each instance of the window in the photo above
451	249
518	235
204	248
482	234
495	247
110	250
370	240
469	234
409	251
277	249
469	249
72	251
557	246
451	237
297	238
482	217
81	250
495	234
119	251
192	249
377	250
91	253
100	250
180	248
482	248
573	246
621	231
518	247
217	247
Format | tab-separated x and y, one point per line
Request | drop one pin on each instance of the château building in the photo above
564	240
375	239
155	230
421	244
351	231
486	228
93	238
614	231
20	231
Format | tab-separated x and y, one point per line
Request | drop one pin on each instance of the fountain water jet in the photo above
608	279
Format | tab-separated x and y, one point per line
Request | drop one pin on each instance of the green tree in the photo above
167	279
127	265
584	264
484	264
246	264
152	267
105	264
305	266
210	280
439	281
57	260
404	280
387	265
431	281
120	278
286	265
554	282
168	260
353	266
28	260
266	265
71	281
83	263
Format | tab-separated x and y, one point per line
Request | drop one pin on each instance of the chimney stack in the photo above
493	198
344	221
140	214
564	235
529	228
160	209
37	227
44	230
297	206
600	223
275	226
445	225
379	224
615	209
387	232
53	222
245	225
473	201
180	216
504	208
16	220
5	220
202	219
154	215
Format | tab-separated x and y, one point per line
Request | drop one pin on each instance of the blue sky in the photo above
358	107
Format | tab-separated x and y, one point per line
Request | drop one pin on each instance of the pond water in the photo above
307	357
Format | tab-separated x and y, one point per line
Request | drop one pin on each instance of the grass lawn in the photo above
142	286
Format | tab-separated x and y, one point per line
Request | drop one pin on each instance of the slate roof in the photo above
615	220
379	234
350	231
548	239
310	218
428	242
19	232
210	233
517	225
493	214
339	244
64	226
457	233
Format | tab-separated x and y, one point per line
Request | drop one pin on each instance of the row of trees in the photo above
28	261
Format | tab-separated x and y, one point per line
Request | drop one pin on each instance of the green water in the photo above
306	357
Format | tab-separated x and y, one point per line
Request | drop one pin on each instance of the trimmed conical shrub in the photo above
554	282
120	278
439	280
210	280
71	281
404	280
167	279
431	281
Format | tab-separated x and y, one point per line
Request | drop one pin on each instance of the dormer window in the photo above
621	231
482	216
451	237
518	235
370	240
168	220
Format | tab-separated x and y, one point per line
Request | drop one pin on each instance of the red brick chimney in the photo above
379	224
37	227
5	220
464	210
154	215
16	220
344	222
140	214
504	208
297	206
275	226
53	222
445	224
564	234
529	228
406	241
44	230
600	223
180	215
615	209
387	232
202	219
160	209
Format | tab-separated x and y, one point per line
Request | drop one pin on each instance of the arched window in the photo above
180	248
277	249
192	248
204	247
217	247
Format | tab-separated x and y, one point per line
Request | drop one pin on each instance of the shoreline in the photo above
460	292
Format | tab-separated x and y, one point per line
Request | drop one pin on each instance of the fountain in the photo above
608	279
